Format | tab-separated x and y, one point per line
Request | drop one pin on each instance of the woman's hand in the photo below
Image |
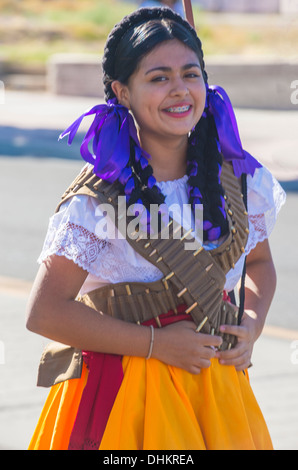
260	285
181	346
247	334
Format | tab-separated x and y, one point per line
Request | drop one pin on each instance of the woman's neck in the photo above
168	157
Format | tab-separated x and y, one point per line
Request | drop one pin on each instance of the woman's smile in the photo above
179	110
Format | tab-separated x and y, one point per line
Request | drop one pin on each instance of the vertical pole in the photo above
188	12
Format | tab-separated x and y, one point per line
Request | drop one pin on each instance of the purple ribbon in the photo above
110	130
221	108
113	126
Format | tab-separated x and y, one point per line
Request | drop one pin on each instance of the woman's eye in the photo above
192	75
163	78
159	79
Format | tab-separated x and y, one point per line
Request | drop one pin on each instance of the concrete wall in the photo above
253	84
251	6
288	6
263	84
71	74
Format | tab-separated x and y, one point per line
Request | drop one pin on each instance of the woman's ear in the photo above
121	92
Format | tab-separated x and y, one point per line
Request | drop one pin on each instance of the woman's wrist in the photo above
151	343
254	322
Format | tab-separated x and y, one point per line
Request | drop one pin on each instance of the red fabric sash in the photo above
104	380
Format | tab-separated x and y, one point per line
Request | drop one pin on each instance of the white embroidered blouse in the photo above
76	233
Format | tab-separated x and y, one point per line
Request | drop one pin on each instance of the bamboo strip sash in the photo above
198	277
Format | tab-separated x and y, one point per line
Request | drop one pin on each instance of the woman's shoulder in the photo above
265	198
264	192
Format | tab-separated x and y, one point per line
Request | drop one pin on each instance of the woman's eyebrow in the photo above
168	69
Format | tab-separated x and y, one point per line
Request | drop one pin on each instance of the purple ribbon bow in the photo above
113	126
111	130
221	108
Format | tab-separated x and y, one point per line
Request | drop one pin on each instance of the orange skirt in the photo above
160	407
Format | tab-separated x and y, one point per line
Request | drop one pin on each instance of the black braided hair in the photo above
126	45
204	168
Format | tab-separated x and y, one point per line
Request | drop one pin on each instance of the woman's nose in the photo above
179	87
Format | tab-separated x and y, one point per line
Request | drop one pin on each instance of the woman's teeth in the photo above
178	109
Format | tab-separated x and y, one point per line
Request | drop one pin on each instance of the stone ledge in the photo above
71	74
260	83
254	83
25	82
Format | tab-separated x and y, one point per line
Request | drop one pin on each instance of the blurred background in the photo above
50	73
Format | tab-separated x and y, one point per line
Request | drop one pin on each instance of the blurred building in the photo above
176	5
250	6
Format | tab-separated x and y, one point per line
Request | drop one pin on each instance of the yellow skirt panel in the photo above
57	418
159	407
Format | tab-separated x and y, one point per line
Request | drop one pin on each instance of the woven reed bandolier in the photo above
192	277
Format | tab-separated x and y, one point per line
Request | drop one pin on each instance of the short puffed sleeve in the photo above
265	197
84	233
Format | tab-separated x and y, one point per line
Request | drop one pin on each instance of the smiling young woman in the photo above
157	357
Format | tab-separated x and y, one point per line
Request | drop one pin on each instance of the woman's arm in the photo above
260	286
53	312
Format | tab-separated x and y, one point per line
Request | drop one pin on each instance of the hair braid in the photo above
204	167
138	182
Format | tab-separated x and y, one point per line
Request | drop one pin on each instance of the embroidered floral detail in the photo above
257	231
100	258
75	243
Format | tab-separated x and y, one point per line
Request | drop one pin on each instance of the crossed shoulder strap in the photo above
197	274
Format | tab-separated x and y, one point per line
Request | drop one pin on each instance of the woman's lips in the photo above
180	110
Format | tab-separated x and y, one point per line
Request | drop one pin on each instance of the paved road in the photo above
29	188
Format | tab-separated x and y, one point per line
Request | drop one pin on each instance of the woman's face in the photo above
166	93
